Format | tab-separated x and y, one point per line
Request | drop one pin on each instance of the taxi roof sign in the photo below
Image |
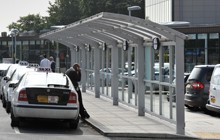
43	69
33	65
23	63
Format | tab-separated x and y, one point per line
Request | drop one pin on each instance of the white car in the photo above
213	103
8	77
3	69
4	79
45	95
19	72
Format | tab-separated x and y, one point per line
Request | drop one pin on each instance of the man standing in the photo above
52	64
74	73
45	62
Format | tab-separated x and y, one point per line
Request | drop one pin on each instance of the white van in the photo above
213	103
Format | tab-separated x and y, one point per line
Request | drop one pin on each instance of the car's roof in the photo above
21	70
45	78
202	66
186	73
11	69
4	66
217	65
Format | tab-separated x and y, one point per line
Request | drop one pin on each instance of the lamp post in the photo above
13	34
133	8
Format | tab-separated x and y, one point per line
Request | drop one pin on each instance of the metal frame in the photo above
114	29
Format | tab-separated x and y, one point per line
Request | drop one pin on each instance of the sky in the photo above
12	10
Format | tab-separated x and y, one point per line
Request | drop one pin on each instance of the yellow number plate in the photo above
42	99
213	100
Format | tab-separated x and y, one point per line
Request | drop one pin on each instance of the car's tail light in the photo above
197	85
22	95
72	98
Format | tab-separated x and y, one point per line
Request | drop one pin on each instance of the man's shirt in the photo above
45	63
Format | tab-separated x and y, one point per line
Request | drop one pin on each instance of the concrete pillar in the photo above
141	90
114	79
149	70
180	114
97	74
83	70
57	58
130	84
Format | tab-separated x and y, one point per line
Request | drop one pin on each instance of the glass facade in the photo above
201	48
30	48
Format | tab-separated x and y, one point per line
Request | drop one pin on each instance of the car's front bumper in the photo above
213	108
46	111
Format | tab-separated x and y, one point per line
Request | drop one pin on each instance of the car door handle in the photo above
214	88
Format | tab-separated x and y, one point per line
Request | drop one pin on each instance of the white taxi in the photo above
19	72
213	103
4	80
8	77
45	95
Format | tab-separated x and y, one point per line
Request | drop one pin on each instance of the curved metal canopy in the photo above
111	28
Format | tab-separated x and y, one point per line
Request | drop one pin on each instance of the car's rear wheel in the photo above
74	123
8	107
14	120
3	102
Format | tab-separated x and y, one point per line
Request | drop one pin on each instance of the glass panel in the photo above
18	42
5	42
214	35
213	48
32	42
200	48
38	42
190	55
25	42
192	36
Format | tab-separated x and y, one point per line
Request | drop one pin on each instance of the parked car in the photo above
105	76
8	77
19	72
165	74
197	86
3	69
4	79
213	103
173	97
45	95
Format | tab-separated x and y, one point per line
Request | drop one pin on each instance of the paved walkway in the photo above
121	120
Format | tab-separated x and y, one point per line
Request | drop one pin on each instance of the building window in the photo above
213	48
190	52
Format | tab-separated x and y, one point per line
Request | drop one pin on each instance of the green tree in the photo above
91	7
30	22
64	12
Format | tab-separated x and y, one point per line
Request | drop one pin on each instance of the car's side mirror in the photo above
6	78
13	85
